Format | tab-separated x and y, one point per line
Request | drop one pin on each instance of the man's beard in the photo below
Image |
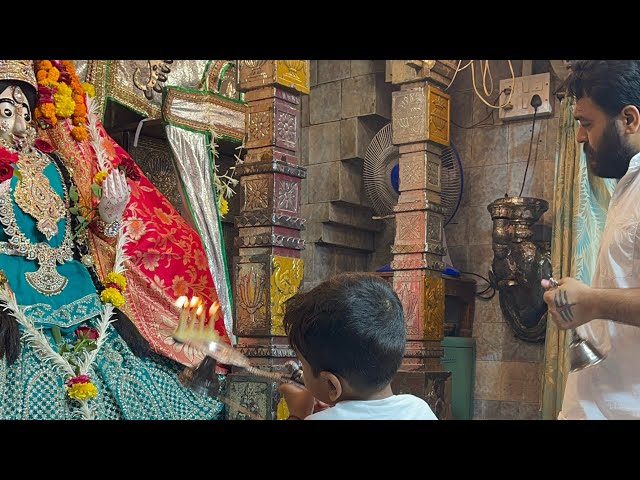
612	158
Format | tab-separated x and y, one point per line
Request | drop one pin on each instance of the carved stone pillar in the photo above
420	128
268	269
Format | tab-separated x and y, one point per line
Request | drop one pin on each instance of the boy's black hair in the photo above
351	325
611	84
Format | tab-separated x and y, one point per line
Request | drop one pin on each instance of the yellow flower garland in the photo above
62	96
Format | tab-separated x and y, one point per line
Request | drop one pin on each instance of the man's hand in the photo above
299	400
115	196
569	303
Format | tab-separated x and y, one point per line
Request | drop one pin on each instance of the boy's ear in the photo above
332	384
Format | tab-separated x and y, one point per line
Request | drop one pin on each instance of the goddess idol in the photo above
67	348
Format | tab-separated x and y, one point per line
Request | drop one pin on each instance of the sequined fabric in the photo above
128	388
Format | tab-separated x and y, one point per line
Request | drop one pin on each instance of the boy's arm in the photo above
300	401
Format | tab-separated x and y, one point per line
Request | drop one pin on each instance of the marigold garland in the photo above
114	283
61	95
117	279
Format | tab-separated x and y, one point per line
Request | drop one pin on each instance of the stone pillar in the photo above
420	128
268	269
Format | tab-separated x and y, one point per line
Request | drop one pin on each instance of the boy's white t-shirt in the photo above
395	407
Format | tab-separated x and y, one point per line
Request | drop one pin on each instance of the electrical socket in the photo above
524	88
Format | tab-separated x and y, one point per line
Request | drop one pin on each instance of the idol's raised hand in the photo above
115	196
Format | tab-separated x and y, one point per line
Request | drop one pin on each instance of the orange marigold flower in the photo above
48	110
79	133
48	83
54	74
45	64
41	75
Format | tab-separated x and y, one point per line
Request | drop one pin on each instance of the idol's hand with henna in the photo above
115	196
569	303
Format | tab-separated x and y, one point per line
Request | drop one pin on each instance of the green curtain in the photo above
580	203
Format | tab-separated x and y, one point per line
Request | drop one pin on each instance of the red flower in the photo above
6	171
45	94
43	145
113	285
86	332
78	379
8	157
128	166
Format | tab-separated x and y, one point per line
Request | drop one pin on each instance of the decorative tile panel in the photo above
412	171
409	109
250	398
408	286
286	125
433	176
438	109
259	124
255	192
293	74
251	288
286	195
255	73
286	276
434	227
433	307
420	114
410	227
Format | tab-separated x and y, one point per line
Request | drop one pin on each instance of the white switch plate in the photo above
524	90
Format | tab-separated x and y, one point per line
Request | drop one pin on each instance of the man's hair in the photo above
351	325
611	84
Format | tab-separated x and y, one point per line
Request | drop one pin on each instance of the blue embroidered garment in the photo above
128	387
78	300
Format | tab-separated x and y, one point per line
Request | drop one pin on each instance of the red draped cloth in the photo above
166	256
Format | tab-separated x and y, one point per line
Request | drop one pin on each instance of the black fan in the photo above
381	180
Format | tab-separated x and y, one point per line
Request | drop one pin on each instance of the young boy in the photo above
349	334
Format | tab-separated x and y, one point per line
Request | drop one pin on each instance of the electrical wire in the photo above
533	127
477	124
458	69
490	286
486	73
481	123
